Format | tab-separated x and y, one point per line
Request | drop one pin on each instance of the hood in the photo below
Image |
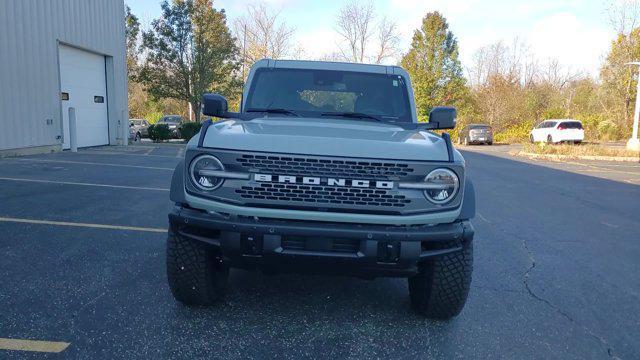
328	137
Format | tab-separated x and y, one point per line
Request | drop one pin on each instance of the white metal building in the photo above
57	54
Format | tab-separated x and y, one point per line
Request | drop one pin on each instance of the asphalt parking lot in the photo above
82	240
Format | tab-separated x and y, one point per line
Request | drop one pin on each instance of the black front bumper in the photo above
329	248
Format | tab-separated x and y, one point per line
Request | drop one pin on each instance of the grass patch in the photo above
579	150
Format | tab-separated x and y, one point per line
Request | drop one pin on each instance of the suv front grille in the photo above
323	194
324	167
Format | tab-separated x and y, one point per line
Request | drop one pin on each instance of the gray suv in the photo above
139	128
174	123
476	134
325	170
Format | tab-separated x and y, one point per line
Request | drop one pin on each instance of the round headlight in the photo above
201	170
445	185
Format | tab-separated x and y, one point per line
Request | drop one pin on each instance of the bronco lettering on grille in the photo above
306	180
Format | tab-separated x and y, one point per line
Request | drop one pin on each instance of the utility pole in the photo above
634	142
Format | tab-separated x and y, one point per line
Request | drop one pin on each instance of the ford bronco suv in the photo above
325	169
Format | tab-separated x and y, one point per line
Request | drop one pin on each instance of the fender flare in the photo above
468	201
176	193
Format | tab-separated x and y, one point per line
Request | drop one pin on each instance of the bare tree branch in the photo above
388	40
354	25
261	34
557	75
623	15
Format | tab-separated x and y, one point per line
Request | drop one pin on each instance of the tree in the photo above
433	64
136	93
388	40
132	33
511	89
557	75
189	51
513	62
354	26
260	34
618	90
624	15
362	39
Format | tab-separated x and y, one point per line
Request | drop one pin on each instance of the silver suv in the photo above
325	169
139	128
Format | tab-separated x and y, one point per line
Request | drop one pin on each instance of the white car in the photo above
557	131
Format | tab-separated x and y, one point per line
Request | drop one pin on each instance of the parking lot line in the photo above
83	225
598	168
483	218
84	184
33	345
91	163
123	154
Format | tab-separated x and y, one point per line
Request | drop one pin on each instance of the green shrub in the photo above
514	134
189	130
153	117
159	132
554	113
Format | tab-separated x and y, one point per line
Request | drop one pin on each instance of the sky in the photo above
576	32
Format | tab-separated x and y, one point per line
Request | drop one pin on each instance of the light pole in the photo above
634	143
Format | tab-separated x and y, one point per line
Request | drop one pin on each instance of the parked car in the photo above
140	128
476	134
558	131
174	123
133	134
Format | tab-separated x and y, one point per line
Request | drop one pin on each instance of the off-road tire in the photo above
196	275
439	291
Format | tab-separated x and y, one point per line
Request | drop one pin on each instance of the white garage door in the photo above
84	87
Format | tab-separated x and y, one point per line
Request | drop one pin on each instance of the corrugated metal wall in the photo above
30	31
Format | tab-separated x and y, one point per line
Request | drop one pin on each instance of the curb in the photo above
578	157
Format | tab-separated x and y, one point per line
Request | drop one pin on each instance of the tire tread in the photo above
441	288
195	275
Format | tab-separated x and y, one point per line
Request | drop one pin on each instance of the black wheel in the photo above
577	142
196	274
531	139
138	137
549	139
490	143
440	289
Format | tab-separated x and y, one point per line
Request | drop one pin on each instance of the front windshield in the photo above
170	119
327	93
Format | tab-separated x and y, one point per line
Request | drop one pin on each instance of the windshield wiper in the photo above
272	111
352	115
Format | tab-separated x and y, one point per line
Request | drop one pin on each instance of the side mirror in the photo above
214	105
443	117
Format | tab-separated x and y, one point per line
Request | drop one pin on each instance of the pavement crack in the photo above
525	281
490	288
